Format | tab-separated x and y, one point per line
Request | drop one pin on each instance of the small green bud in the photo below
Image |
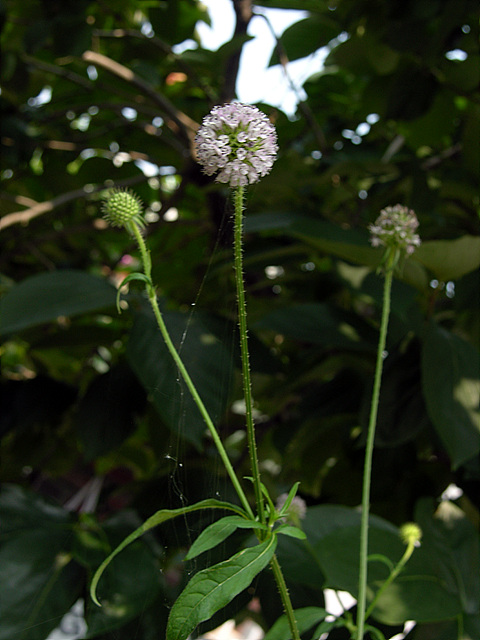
122	207
411	533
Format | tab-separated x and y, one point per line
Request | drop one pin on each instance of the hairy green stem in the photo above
367	472
287	603
184	373
247	391
242	323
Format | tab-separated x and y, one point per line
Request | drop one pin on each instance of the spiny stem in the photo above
185	375
367	472
287	603
242	323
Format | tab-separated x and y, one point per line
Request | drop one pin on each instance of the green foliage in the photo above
306	618
46	296
213	588
207	359
158	518
96	430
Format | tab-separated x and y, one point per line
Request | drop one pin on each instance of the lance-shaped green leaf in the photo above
219	531
213	588
291	531
305	617
160	516
133	276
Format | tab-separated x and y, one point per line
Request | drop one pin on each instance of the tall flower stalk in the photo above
394	229
238	143
245	357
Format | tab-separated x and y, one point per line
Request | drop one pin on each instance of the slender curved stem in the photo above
393	574
285	596
242	323
367	472
185	375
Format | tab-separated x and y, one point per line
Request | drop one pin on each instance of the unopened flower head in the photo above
122	207
395	229
239	142
411	533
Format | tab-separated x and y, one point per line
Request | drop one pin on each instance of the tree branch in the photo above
162	46
177	120
58	71
243	12
39	208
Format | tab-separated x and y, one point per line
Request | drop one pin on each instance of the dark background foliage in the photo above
96	431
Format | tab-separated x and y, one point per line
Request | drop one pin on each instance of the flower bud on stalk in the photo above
122	207
411	533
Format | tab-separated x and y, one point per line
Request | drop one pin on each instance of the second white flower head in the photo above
239	142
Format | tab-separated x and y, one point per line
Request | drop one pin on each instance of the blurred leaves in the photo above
90	398
48	296
36	564
452	392
207	360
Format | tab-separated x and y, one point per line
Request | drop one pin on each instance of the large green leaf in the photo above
158	518
106	414
333	534
451	385
122	598
348	244
306	36
47	296
299	562
320	324
450	259
456	540
305	617
208	362
338	553
213	588
175	21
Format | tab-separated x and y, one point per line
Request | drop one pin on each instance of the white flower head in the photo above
395	228
238	143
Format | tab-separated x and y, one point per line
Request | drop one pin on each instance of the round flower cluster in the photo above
239	142
395	228
122	207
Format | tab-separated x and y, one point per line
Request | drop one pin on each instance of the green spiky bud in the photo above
410	533
122	207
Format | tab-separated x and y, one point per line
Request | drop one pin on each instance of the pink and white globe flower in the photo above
238	143
395	228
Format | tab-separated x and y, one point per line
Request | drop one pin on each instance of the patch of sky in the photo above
456	54
129	114
42	98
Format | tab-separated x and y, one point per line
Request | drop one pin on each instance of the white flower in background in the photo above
395	228
297	509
